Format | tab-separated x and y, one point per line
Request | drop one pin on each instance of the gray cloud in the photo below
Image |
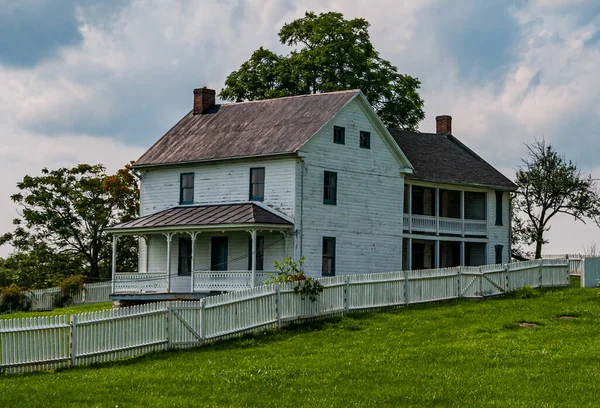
31	31
507	73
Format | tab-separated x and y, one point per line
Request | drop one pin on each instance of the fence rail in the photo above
51	342
45	299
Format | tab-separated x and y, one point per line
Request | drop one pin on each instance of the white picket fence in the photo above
51	342
44	299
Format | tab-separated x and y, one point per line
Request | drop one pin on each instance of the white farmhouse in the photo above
315	176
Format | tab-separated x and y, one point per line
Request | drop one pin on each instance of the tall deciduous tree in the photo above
548	185
65	212
330	54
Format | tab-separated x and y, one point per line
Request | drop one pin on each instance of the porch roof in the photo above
204	217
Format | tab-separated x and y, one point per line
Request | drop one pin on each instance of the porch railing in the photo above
135	282
444	225
226	280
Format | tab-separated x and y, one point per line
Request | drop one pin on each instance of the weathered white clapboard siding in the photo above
367	220
220	182
50	342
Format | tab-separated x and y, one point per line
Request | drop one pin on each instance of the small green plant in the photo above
526	292
289	270
14	298
68	287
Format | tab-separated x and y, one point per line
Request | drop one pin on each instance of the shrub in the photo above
526	292
290	271
68	288
14	298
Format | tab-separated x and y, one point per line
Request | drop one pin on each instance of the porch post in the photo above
409	255
193	236
410	208
462	211
462	253
437	211
169	236
114	262
437	253
285	244
253	233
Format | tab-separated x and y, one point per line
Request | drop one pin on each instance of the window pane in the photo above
187	180
328	264
187	195
365	140
339	134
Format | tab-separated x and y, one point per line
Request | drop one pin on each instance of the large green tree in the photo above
548	185
329	54
65	213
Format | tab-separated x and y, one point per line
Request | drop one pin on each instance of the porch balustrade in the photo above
429	223
134	282
204	281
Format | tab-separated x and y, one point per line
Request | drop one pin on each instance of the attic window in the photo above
339	135
365	140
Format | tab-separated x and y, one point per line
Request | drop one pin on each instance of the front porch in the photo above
190	261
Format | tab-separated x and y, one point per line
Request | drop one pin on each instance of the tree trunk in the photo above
538	249
94	269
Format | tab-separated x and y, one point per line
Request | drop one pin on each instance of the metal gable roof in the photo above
246	129
204	215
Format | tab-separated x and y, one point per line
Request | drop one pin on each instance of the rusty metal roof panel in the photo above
246	129
205	215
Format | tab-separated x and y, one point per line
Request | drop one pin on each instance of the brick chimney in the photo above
204	99
443	124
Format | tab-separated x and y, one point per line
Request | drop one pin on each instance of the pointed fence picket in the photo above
51	342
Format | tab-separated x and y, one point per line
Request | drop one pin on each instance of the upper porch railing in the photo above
443	225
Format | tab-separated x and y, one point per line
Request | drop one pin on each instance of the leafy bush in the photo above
290	271
14	298
68	288
526	292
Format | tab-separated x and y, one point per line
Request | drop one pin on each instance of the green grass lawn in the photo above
60	311
457	353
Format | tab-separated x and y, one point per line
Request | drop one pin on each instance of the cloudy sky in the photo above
84	81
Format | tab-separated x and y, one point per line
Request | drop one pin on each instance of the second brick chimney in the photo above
204	99
443	124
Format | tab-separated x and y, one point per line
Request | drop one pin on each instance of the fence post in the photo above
481	282
168	325
73	344
507	283
406	289
278	305
346	290
458	283
202	319
541	272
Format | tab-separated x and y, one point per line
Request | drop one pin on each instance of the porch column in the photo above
462	211
437	253
169	238
462	253
437	211
193	237
285	244
114	262
253	234
410	208
409	255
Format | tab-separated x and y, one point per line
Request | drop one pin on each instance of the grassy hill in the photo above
458	353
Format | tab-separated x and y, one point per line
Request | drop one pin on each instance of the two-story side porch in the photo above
188	252
446	226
